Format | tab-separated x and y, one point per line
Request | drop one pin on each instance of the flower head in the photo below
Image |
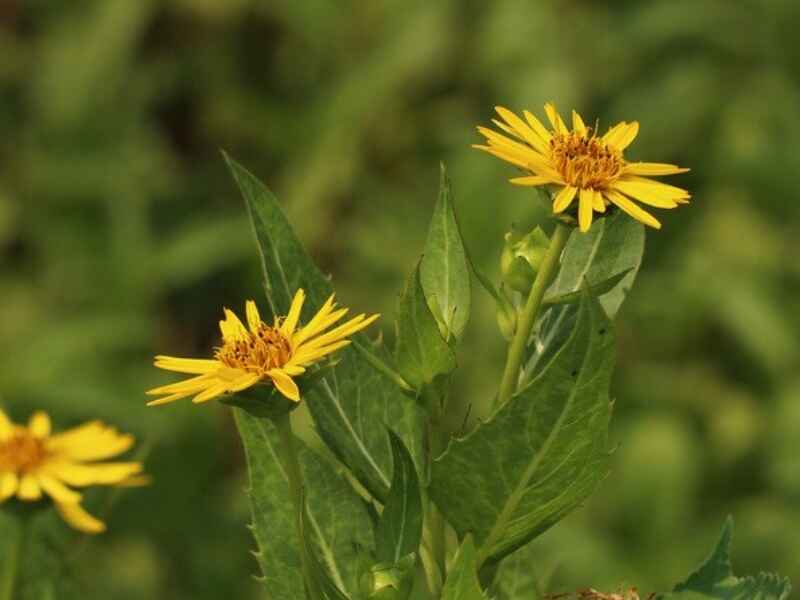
35	463
259	353
579	164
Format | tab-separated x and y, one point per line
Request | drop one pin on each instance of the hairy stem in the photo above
527	318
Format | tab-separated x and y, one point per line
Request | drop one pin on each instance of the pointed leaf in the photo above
612	246
354	401
422	355
462	579
323	587
337	519
715	579
611	249
541	454
444	269
595	289
400	528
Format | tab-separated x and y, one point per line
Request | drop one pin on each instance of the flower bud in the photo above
521	258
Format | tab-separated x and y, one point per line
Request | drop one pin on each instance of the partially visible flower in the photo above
579	164
273	353
35	463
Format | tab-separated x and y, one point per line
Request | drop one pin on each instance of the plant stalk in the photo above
12	558
527	318
291	465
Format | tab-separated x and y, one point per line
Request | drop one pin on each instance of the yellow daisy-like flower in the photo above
263	352
35	463
579	164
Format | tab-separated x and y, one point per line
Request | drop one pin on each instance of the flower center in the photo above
257	353
21	452
585	161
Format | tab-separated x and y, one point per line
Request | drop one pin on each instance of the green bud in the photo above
521	258
391	581
506	314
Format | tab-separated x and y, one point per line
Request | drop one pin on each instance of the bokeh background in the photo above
121	236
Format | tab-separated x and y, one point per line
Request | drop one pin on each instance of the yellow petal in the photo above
306	356
632	209
317	325
290	324
531	180
244	382
77	474
79	519
648	168
8	485
346	329
90	441
522	129
646	193
57	490
502	155
537	126
598	204
211	393
187	385
555	119
231	327
578	124
29	488
253	317
6	426
194	366
622	136
285	384
585	210
39	425
564	199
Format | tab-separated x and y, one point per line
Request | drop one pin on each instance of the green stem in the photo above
293	473
527	318
11	561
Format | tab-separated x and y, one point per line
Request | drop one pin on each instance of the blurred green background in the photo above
121	236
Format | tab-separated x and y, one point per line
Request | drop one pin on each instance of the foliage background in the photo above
122	235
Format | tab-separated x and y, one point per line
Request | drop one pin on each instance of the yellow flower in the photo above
276	353
35	463
578	164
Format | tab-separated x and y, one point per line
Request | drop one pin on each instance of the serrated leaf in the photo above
337	519
715	579
444	269
462	579
540	455
421	355
400	528
323	587
353	401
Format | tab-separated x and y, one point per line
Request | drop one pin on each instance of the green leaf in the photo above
353	401
611	251
337	519
595	289
444	269
518	578
715	579
421	355
540	455
400	528
462	579
323	587
614	245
